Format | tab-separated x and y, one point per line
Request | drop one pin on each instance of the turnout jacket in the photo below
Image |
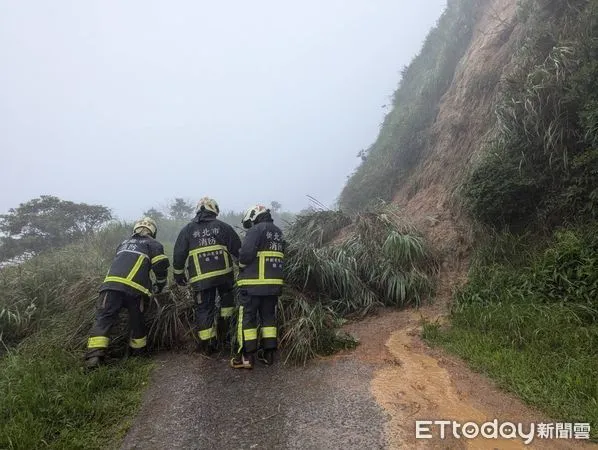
261	260
206	245
130	269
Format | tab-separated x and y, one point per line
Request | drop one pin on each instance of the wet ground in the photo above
203	404
368	398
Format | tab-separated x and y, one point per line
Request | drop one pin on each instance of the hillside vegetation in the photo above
405	130
528	314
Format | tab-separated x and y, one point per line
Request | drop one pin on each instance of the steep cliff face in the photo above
461	130
499	113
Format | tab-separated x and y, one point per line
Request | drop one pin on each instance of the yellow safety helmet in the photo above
207	204
146	223
251	214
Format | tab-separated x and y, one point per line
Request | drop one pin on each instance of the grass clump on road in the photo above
531	321
335	272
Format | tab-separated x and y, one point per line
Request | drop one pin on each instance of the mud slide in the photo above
368	398
416	383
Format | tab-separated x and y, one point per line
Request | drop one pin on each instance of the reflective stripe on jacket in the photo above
130	269
205	246
261	260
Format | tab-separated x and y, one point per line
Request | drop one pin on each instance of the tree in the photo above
181	209
154	214
275	206
46	222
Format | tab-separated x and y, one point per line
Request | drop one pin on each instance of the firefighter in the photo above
260	283
207	245
127	285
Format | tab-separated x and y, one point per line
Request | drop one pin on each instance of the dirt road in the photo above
364	399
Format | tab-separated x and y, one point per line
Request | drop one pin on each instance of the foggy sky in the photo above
132	103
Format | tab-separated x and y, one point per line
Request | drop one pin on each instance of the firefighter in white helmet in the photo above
260	284
128	285
206	246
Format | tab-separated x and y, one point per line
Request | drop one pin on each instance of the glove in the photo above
158	287
181	279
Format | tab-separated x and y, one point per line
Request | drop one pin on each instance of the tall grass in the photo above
529	318
540	171
47	400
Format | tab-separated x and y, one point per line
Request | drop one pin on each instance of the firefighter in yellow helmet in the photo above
127	285
260	283
206	245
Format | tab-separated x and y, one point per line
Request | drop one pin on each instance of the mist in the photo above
130	104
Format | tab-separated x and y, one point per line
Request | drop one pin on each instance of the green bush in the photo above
528	317
542	168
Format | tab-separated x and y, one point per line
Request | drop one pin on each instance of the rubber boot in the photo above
94	359
139	352
207	348
93	363
266	356
243	361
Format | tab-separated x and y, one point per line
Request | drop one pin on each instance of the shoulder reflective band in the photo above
138	343
134	251
155	259
98	342
268	332
203	276
261	279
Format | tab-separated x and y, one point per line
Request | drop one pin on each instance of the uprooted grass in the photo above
528	317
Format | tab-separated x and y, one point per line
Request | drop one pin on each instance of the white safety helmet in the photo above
251	214
207	204
146	224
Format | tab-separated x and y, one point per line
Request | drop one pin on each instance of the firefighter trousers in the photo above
205	310
109	305
257	310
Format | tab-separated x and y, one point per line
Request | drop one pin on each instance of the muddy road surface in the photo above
368	398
